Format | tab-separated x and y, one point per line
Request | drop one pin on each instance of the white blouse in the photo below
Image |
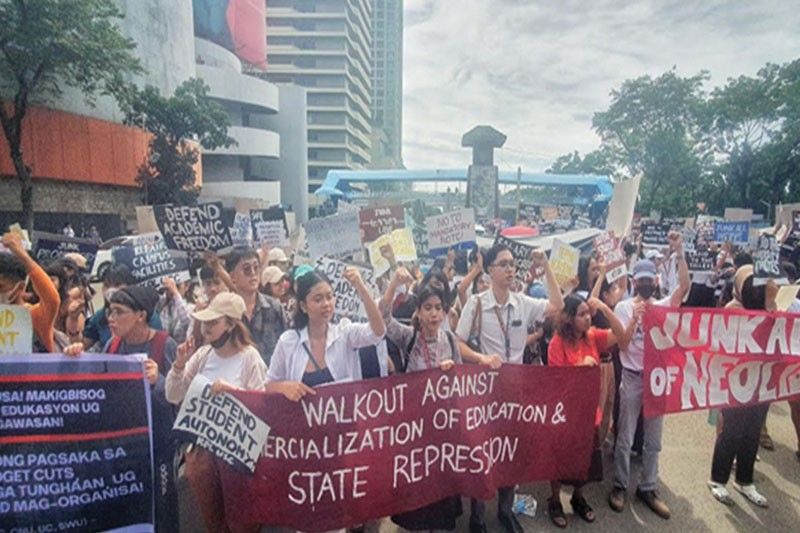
289	360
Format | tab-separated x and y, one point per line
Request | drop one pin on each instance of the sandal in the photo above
750	492
720	493
556	512
582	508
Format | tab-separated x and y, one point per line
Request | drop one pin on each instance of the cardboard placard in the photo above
149	260
47	247
401	243
737	214
735	232
193	228
242	229
334	236
377	221
609	251
521	253
655	233
453	230
564	262
766	259
348	303
269	233
700	261
621	207
16	330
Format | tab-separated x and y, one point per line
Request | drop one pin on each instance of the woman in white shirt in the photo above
317	352
230	361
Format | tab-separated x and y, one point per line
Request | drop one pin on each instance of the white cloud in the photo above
538	70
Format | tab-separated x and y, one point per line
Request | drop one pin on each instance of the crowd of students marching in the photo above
253	320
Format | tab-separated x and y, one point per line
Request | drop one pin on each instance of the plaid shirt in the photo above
266	326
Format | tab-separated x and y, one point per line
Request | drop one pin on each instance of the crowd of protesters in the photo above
255	320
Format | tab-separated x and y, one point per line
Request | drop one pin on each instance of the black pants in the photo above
741	428
505	501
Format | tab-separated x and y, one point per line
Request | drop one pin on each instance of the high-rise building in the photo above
325	46
387	83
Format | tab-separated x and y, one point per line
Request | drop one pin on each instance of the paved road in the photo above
685	468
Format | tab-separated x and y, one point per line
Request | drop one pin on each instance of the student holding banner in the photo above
231	362
14	270
424	345
317	351
496	322
741	426
631	346
578	343
130	310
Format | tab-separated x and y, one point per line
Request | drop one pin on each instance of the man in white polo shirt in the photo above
631	355
502	319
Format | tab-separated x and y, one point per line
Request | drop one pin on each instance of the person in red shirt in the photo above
577	343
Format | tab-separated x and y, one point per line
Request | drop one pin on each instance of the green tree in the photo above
653	127
178	123
46	45
594	162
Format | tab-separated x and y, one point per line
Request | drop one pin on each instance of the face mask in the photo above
646	291
220	342
8	298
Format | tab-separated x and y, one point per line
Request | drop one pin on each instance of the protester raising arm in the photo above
684	281
475	271
617	329
214	262
43	313
374	317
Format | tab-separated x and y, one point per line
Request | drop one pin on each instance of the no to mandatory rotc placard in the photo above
455	230
75	444
717	358
193	228
354	452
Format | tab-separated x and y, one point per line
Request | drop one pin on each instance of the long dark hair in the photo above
303	286
584	283
435	275
565	324
424	293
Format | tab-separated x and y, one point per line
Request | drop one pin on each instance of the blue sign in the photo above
735	232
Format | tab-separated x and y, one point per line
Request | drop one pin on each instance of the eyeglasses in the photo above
250	268
506	265
110	313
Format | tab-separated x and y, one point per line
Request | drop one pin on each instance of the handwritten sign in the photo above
451	230
564	262
767	261
149	260
50	246
16	330
735	232
399	241
193	228
270	226
334	236
348	303
609	252
655	233
242	230
737	214
701	260
221	424
377	221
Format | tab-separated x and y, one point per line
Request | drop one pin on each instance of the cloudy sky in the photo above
537	70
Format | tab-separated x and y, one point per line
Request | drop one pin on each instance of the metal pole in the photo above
519	191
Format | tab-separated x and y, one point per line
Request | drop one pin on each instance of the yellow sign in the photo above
564	262
16	330
400	242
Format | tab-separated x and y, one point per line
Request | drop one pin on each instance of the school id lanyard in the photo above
504	329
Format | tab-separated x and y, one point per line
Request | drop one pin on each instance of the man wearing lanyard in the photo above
504	320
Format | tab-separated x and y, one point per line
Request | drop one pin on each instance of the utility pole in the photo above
519	190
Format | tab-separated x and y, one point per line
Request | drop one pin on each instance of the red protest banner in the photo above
702	358
359	451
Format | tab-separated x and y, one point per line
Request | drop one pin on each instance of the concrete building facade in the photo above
325	46
387	84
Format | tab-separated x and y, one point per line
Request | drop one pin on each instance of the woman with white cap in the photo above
231	362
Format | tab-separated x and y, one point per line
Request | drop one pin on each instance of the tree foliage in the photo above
178	123
735	145
46	45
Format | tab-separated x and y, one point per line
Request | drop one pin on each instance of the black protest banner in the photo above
701	260
522	255
221	424
193	228
767	261
75	444
269	226
149	260
348	303
655	233
377	221
48	247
